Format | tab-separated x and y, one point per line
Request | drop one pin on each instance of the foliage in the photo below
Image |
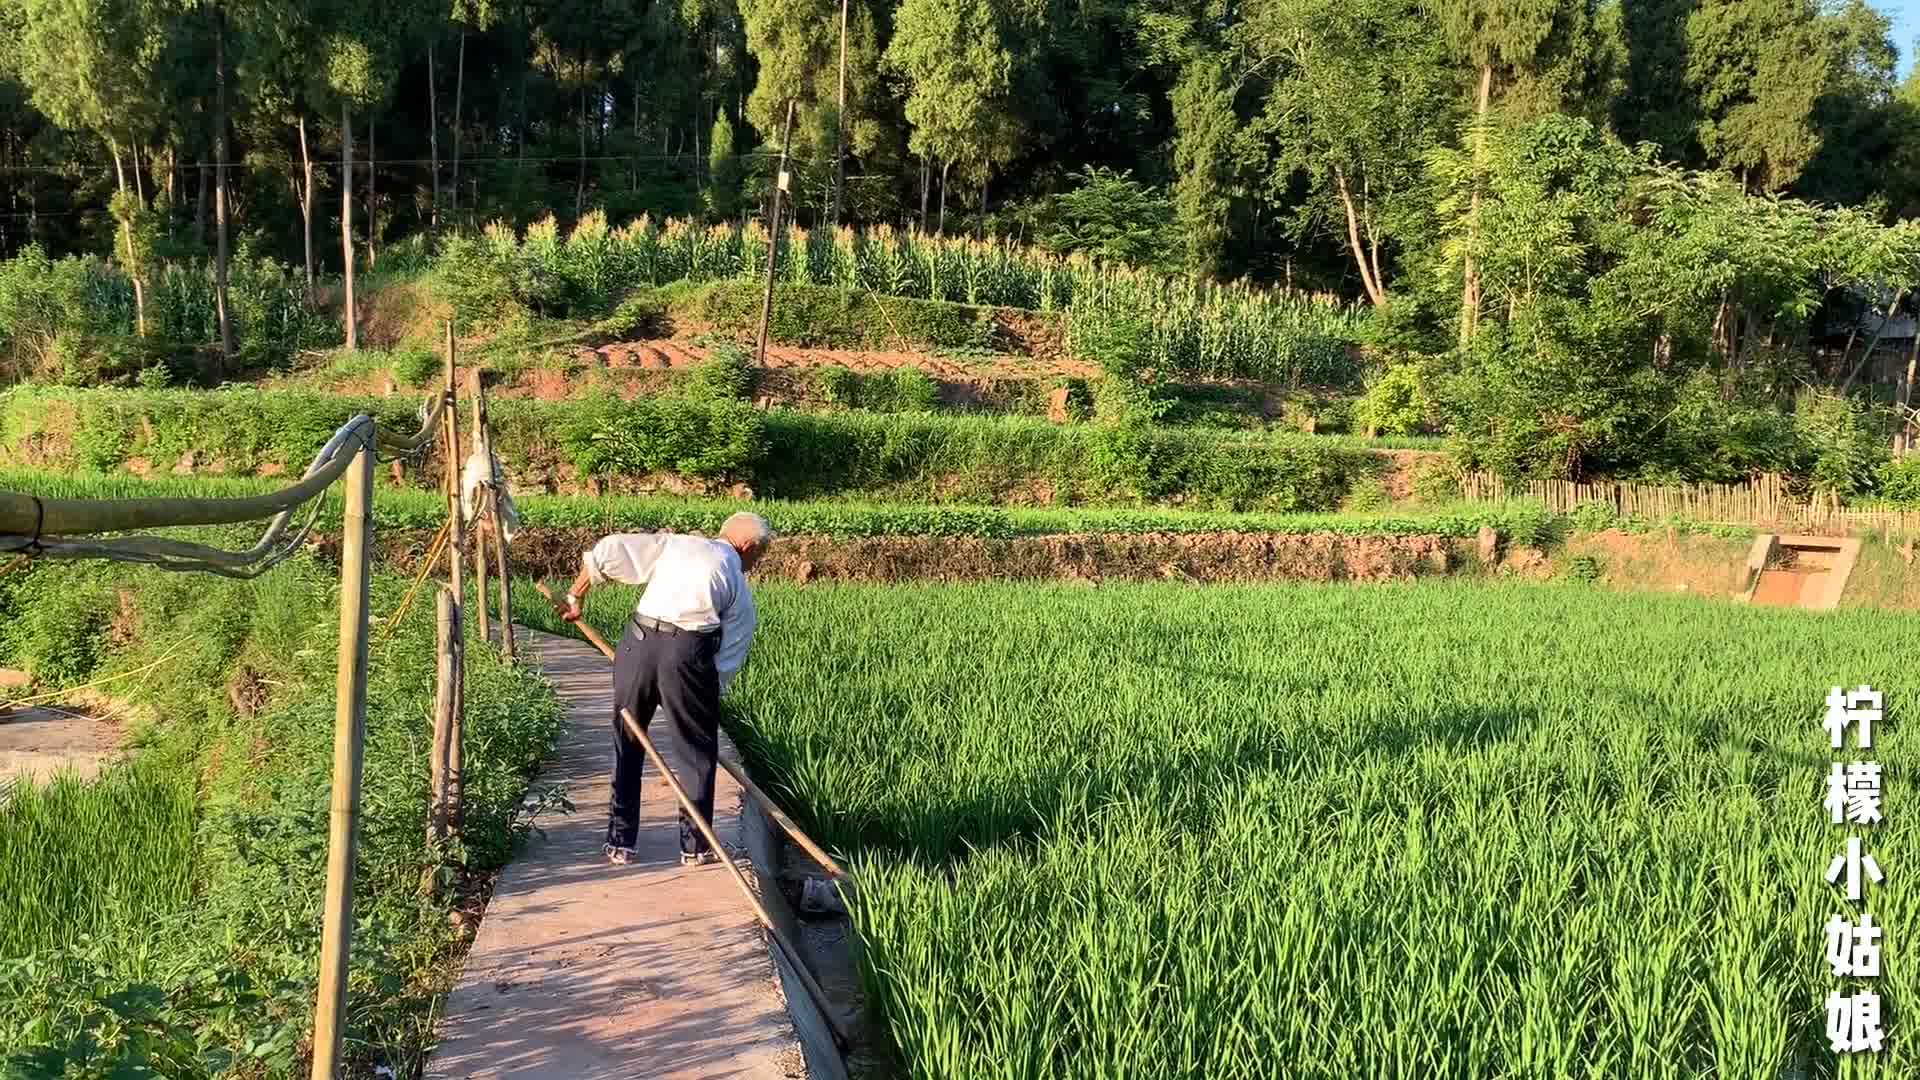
172	909
1113	218
1396	402
778	452
725	375
833	282
417	509
835	384
1843	445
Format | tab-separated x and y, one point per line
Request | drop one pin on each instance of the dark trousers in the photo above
653	669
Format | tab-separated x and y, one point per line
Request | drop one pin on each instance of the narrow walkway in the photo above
581	970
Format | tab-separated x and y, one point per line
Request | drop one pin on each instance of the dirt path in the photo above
660	355
37	744
582	971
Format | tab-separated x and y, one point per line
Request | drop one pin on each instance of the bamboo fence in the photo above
1765	500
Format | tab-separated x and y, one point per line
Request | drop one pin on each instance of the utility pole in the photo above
773	240
840	129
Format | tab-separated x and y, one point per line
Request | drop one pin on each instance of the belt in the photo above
643	623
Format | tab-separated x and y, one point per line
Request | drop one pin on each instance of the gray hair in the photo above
747	530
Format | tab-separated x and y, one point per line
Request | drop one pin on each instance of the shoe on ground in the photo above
621	856
698	858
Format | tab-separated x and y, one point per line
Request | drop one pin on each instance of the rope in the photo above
54	695
426	569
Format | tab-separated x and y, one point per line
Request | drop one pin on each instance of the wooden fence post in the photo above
457	527
448	631
507	648
481	507
483	439
349	736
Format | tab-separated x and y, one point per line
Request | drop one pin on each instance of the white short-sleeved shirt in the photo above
692	582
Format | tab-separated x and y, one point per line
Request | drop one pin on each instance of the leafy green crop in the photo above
1434	830
167	916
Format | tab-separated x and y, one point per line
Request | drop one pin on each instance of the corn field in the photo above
1439	830
1183	327
42	299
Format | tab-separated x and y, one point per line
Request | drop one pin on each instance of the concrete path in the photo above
581	970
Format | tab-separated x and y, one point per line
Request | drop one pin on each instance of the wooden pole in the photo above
456	754
349	736
807	980
773	241
480	508
483	439
507	647
448	630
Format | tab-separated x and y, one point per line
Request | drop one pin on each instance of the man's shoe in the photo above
621	856
698	858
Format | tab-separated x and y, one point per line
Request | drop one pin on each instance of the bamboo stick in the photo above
813	988
349	736
456	745
448	624
479	443
507	646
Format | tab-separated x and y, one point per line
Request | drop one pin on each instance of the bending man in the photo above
683	644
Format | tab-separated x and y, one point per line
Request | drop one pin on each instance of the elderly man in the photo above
683	644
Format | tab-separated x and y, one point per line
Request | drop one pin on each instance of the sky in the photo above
1906	27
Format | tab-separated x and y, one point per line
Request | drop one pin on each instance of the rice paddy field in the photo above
1433	830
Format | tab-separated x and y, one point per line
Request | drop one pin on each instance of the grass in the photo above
1325	831
417	509
167	917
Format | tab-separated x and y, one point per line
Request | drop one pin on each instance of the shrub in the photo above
911	390
1436	480
725	375
1395	403
1593	516
1367	494
1585	568
704	440
415	365
835	385
1899	480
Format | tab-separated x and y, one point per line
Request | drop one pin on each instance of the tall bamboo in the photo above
349	737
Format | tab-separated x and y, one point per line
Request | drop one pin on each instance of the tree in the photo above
1114	218
1364	91
359	74
797	46
1203	152
1531	48
1756	68
956	71
723	168
91	66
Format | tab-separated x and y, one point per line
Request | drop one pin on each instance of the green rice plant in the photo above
173	905
1329	831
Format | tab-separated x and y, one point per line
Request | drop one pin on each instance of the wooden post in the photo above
349	735
483	438
773	240
456	756
448	631
480	508
507	648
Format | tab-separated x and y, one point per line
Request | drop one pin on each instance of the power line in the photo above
323	164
